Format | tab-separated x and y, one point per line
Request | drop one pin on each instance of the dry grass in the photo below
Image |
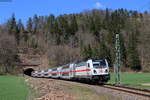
50	89
82	93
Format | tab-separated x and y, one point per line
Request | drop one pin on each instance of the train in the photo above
91	70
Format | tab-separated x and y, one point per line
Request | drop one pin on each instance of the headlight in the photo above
94	71
106	71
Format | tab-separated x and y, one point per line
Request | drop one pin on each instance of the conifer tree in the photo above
11	24
73	25
13	28
106	21
20	26
21	30
133	56
35	24
50	24
30	25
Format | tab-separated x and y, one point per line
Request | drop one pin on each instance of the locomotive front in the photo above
100	70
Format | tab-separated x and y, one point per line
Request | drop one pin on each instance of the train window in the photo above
96	65
81	64
99	64
103	63
65	67
46	71
54	69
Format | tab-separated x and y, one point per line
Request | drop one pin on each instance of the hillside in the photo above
73	37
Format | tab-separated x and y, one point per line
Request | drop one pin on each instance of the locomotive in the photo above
92	70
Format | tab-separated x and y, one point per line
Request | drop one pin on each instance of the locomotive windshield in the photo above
100	64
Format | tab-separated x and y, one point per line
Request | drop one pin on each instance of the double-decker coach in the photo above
67	71
34	73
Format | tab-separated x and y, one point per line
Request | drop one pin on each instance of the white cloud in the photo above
99	5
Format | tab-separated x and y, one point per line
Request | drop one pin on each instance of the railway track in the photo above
141	92
127	89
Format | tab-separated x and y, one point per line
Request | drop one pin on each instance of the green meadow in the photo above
139	80
13	88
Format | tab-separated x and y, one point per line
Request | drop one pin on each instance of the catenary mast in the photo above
117	59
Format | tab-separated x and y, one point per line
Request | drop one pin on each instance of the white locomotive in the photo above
92	70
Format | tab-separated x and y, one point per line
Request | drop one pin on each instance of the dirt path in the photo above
50	89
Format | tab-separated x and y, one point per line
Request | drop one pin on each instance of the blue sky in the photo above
27	8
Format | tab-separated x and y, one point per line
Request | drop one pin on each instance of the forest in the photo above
74	37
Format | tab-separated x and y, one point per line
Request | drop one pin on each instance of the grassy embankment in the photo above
82	93
139	80
13	88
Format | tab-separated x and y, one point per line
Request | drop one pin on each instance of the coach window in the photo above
54	69
46	71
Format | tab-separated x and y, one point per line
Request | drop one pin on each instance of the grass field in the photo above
13	88
133	79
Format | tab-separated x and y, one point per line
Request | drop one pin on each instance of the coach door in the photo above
88	67
72	70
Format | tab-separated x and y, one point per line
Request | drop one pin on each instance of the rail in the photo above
137	91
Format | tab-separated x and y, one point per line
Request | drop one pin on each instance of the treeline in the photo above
89	34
